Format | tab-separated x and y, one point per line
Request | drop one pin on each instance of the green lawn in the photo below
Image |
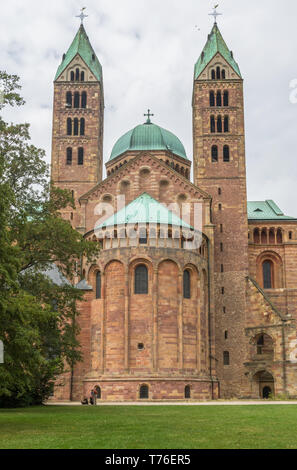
150	427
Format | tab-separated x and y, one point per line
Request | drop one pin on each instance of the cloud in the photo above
148	51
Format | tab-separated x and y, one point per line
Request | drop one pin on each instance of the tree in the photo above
38	318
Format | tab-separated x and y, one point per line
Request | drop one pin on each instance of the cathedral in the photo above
194	293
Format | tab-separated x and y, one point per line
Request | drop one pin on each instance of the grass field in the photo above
150	427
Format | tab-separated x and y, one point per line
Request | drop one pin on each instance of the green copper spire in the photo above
82	46
215	44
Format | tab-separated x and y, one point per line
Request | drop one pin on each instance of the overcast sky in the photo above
148	49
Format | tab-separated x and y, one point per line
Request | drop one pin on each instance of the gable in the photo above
145	173
77	61
218	61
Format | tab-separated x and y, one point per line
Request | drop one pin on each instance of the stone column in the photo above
127	318
103	293
155	321
180	323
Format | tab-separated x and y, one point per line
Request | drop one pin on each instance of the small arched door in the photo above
266	392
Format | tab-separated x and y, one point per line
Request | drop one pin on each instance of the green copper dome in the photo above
148	136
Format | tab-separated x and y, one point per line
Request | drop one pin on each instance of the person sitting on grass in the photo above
85	401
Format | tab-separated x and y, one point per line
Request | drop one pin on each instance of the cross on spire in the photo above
215	13
82	16
148	121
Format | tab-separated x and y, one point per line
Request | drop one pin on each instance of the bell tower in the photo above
219	169
77	138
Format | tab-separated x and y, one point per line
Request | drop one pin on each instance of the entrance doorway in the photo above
263	385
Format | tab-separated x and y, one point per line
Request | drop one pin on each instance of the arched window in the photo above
76	99
69	156
187	391
279	237
267	274
212	124
141	279
187	284
82	76
72	76
144	392
256	236
84	99
223	74
290	235
218	73
80	156
219	98
213	75
271	236
260	344
82	126
98	285
69	99
98	390
77	75
219	124
214	153
226	358
69	126
75	126
226	124
226	153
211	98
226	98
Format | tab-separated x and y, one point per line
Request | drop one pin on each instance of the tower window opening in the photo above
69	99
226	124
219	124
76	99
77	75
84	99
260	344
211	99
69	126
82	76
69	156
226	98
72	76
222	247
223	74
221	228
82	126
218	73
75	126
214	153
220	207
223	290
213	75
219	98
80	156
226	358
226	153
290	235
226	334
219	191
222	268
212	124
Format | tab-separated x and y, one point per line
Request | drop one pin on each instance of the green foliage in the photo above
38	319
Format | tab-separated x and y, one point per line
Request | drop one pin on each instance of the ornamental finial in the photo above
148	116
82	16
215	13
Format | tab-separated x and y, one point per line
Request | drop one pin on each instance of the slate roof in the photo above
144	209
266	210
